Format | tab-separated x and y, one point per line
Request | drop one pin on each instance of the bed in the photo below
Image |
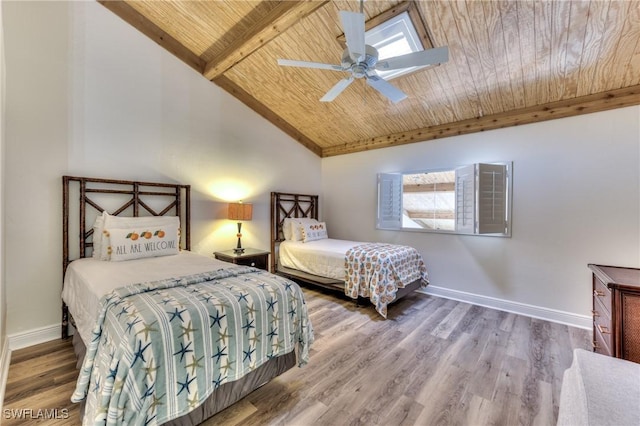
302	251
164	335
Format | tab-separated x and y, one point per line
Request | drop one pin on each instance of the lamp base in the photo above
239	249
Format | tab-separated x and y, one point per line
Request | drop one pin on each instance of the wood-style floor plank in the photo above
433	361
39	386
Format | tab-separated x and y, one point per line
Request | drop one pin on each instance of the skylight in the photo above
395	37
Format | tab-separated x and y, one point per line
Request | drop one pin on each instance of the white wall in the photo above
576	200
88	95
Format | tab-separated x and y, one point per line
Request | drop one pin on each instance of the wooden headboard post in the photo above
136	198
283	206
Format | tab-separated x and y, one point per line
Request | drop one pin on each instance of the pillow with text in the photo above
314	231
136	243
121	222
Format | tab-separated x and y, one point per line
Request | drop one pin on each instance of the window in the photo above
428	199
394	37
398	31
473	199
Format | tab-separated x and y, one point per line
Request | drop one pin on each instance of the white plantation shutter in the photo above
465	199
389	201
482	199
491	203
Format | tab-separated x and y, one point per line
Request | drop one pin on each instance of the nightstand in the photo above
250	257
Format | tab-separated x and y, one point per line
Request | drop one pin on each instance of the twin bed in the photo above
169	339
167	336
382	273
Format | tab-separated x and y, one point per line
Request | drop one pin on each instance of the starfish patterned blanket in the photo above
160	349
377	270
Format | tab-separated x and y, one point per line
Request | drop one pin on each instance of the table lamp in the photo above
239	211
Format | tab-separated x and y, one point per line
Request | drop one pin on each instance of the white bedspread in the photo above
324	257
88	279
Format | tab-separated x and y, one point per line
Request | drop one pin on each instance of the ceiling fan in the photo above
361	61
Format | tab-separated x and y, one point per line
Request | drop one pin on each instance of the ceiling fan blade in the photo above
394	94
306	64
353	24
423	57
337	89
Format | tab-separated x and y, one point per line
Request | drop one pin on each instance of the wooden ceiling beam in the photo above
278	20
239	93
155	33
619	98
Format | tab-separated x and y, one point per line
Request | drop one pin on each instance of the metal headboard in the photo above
131	198
284	205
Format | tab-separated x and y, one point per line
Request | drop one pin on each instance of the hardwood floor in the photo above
40	382
433	361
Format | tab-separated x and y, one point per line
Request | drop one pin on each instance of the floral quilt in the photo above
377	270
160	349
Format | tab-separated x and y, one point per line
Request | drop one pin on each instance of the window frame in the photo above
380	36
495	197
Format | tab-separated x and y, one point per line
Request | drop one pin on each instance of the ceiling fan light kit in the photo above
360	60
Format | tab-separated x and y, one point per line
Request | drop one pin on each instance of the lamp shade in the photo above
240	211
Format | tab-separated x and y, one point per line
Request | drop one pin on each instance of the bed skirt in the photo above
331	284
223	397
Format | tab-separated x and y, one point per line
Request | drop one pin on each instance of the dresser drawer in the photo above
600	312
602	337
601	344
602	294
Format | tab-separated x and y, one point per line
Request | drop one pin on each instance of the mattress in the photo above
82	295
325	257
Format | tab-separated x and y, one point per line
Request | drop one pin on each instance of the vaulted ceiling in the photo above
511	62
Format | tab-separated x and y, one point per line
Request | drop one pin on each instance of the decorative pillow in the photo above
118	222
98	226
296	226
314	231
286	228
136	243
291	227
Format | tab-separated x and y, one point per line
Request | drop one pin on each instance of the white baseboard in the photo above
567	318
52	332
5	360
34	337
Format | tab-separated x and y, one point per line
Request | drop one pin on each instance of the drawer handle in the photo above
603	330
595	313
598	293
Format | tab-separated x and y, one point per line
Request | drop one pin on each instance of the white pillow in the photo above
118	222
296	226
314	231
286	228
98	226
136	243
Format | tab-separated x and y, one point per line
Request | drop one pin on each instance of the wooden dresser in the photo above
616	311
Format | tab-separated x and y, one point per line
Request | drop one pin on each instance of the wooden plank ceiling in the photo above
511	62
